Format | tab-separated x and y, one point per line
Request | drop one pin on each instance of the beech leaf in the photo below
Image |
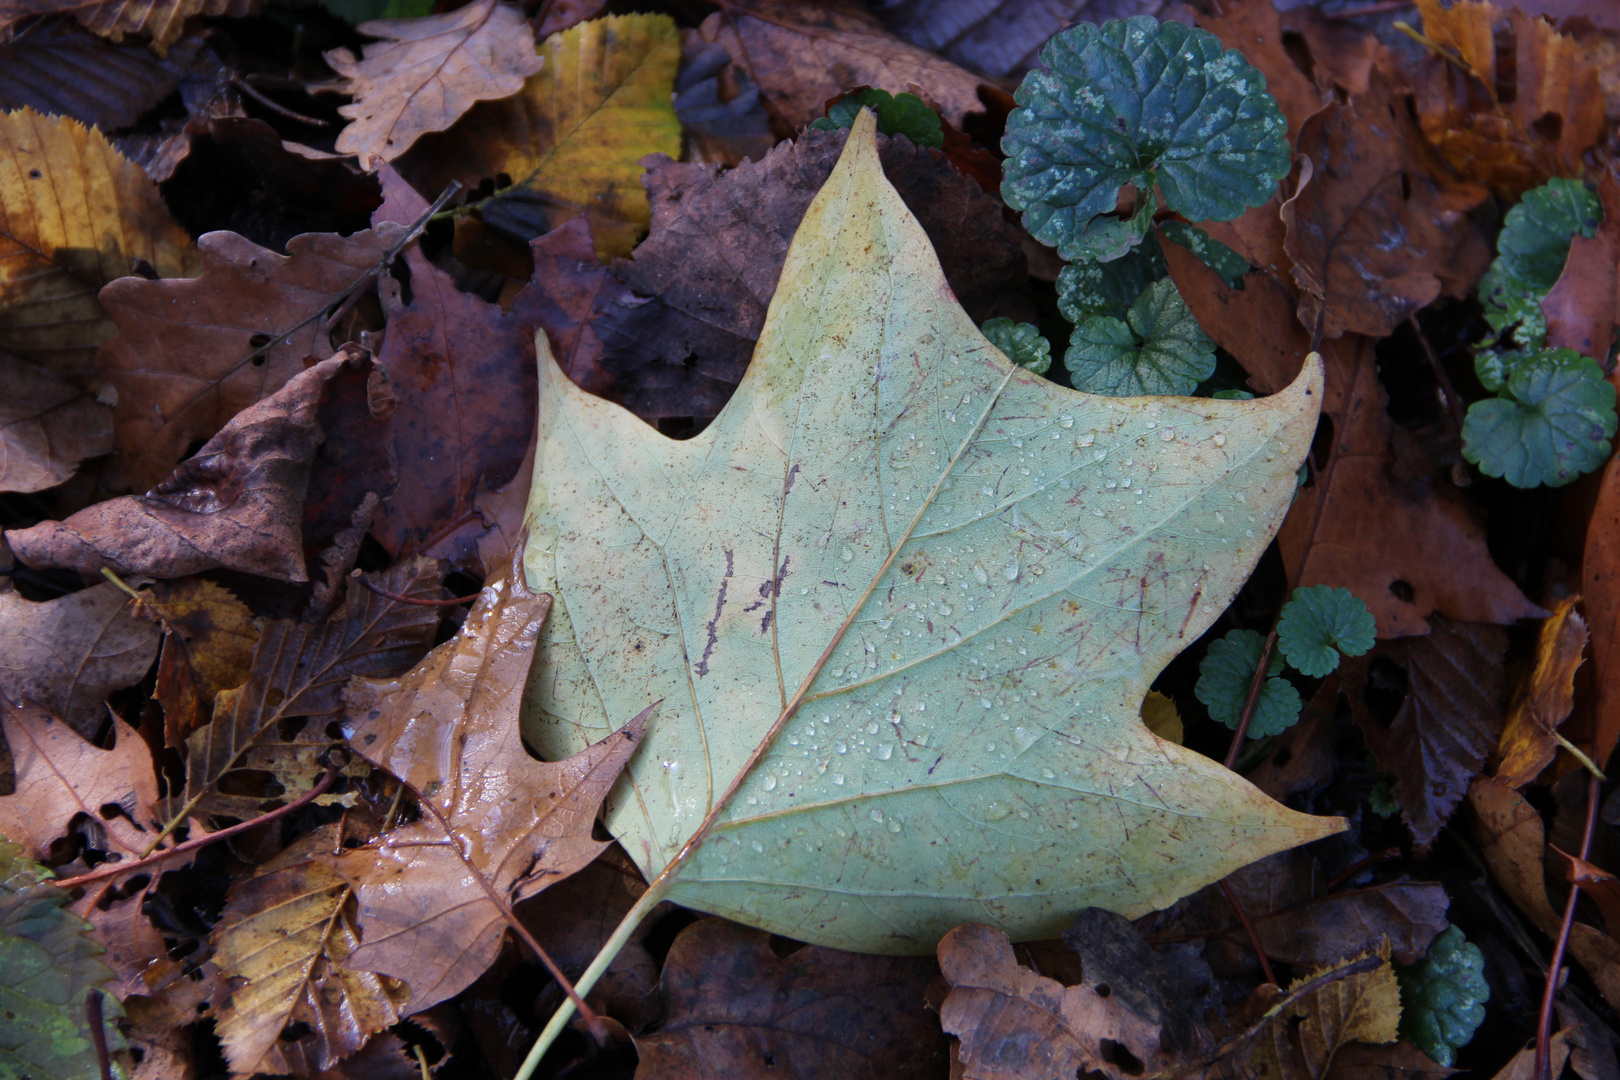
928	588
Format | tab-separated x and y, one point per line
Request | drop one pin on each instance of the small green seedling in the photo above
897	114
1158	348
1443	996
1551	421
1022	342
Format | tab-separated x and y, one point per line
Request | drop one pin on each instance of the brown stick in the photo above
1543	1069
1453	403
454	601
1248	928
98	1034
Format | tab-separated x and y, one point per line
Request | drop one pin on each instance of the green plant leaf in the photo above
1088	287
1223	685
1443	996
1161	351
1553	422
1531	250
1493	366
1211	252
1318	623
1022	342
929	588
50	964
897	114
1137	102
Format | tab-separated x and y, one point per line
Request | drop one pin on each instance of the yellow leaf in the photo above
1362	1008
1530	739
1160	715
573	140
426	73
74	215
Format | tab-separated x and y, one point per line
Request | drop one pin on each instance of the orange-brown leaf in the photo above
208	638
1529	741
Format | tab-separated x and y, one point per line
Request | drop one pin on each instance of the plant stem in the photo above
1248	928
1543	1068
1255	685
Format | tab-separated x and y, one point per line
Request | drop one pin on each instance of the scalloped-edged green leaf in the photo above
1228	264
1553	422
1318	623
1531	250
49	964
1138	102
897	114
1088	287
1443	996
1223	685
1021	342
1493	366
1162	350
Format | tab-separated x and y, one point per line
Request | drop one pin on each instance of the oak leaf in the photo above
856	534
161	20
74	214
448	729
1530	739
427	72
47	426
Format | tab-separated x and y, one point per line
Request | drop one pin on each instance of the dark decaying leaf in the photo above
63	69
208	638
738	1009
47	426
237	503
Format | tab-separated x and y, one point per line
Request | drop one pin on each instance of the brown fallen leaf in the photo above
74	214
569	291
463	377
208	638
801	54
190	355
1522	1066
719	106
237	503
735	1008
299	671
1448	721
427	72
47	426
711	263
1600	582
161	20
1584	304
1512	110
1362	1008
1596	882
63	69
1530	739
1398	1060
66	655
282	940
495	822
1341	53
1366	186
1170	988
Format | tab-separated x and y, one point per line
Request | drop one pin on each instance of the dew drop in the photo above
894	825
841	747
770	783
885	751
846	553
996	811
980	575
1010	572
1066	422
838	778
1219	439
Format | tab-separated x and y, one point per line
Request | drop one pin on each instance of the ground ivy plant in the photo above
1170	112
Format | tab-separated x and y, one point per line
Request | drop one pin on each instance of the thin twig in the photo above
118	868
398	599
421	1060
1355	868
1543	1069
246	88
98	1034
1248	928
1256	684
1453	403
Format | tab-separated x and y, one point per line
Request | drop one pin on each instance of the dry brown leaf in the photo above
427	72
237	503
208	638
738	1010
1584	304
449	730
190	355
282	938
1385	1061
1529	741
1363	1008
47	426
1373	235
74	215
801	54
63	69
161	20
66	655
299	671
1522	1066
1600	568
1547	116
569	290
1448	721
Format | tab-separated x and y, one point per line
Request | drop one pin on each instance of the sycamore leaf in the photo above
948	583
1021	342
1443	997
427	72
1318	623
1158	348
74	213
1223	685
449	730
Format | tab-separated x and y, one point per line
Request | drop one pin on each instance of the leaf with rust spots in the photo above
47	426
449	730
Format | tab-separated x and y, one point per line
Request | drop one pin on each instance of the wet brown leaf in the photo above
208	638
47	426
569	291
1359	1009
427	72
238	503
1529	741
490	811
162	20
66	655
74	213
1512	136
191	354
299	671
1373	235
739	1010
1437	740
1385	1061
1522	1066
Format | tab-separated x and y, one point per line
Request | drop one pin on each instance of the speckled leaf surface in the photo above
955	578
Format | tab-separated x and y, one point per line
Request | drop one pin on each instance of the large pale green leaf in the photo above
954	578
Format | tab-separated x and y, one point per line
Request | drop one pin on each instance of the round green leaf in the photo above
1553	422
1443	996
1161	351
897	114
1138	102
1090	288
1021	342
1319	623
1223	685
1531	250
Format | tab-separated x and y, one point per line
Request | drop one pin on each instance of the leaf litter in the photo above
292	399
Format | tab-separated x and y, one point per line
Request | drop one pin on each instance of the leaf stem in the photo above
98	1033
1248	928
1543	1068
